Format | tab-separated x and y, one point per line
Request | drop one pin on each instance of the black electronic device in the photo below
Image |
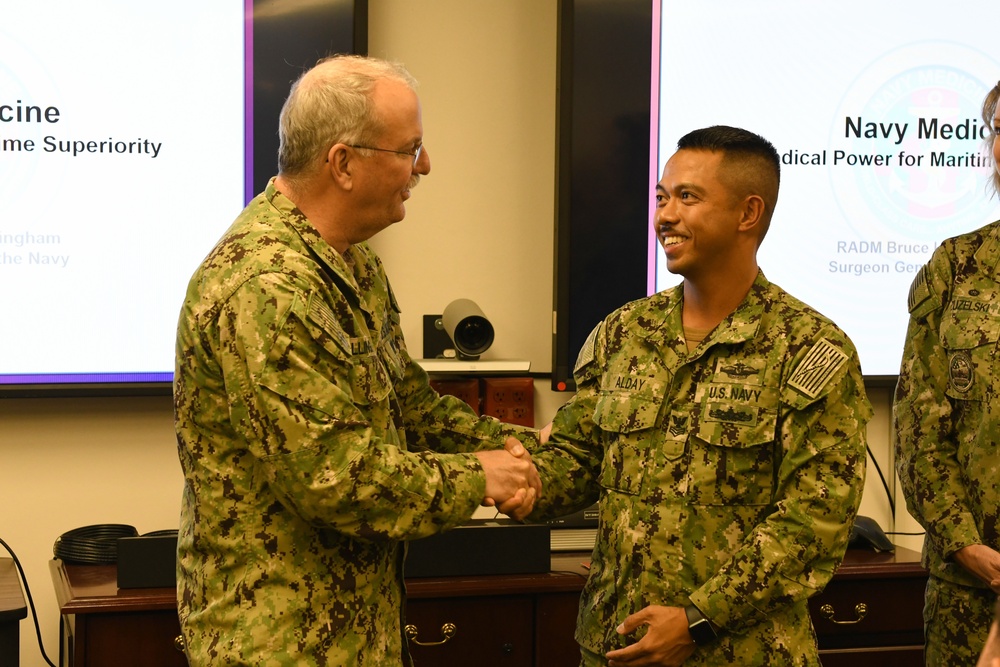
481	547
148	561
867	534
585	518
575	532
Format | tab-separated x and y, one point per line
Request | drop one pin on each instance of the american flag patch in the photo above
919	291
586	354
322	315
820	364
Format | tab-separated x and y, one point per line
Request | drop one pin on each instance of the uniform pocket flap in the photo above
962	330
625	412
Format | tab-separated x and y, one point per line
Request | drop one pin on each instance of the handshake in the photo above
512	481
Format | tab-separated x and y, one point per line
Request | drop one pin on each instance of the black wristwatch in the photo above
701	629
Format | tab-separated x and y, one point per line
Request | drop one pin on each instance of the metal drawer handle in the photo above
179	643
447	631
860	610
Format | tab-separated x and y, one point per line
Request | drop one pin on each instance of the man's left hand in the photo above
667	641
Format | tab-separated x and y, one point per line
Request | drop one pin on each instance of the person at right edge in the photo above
947	427
990	657
720	425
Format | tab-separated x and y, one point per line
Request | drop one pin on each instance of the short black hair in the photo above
752	163
731	141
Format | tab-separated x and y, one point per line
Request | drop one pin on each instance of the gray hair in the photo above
332	103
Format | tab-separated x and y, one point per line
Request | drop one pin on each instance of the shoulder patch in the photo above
920	291
586	354
320	313
815	370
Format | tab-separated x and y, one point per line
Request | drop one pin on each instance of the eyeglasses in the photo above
415	154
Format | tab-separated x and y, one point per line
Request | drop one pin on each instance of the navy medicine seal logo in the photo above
960	371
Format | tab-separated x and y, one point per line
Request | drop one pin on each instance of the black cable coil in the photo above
92	545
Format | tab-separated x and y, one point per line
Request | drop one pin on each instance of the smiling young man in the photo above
721	426
312	445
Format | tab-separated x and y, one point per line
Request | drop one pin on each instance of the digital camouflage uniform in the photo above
947	425
728	477
306	436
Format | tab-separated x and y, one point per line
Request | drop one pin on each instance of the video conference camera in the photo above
468	328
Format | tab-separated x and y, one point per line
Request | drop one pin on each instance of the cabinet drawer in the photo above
129	639
874	657
494	630
869	612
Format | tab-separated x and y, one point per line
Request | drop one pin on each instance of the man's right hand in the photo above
512	482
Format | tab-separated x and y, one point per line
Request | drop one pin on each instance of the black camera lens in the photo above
473	335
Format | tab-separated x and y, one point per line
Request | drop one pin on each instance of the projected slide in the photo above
121	162
875	110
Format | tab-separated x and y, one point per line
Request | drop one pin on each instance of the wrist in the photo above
700	628
966	556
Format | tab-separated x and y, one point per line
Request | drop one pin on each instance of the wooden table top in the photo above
12	607
94	588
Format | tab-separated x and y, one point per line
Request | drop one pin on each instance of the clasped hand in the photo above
512	482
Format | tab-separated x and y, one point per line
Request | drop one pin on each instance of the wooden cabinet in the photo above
498	631
869	614
104	626
500	619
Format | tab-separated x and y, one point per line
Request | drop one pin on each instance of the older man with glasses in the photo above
311	443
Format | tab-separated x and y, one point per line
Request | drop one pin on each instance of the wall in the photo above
479	226
76	462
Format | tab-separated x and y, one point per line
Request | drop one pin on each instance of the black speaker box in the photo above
492	547
149	561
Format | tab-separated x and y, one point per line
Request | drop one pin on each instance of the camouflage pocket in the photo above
733	464
626	422
370	382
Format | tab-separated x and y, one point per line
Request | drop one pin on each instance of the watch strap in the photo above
701	629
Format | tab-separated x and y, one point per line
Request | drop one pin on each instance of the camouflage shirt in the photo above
728	477
946	412
311	446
